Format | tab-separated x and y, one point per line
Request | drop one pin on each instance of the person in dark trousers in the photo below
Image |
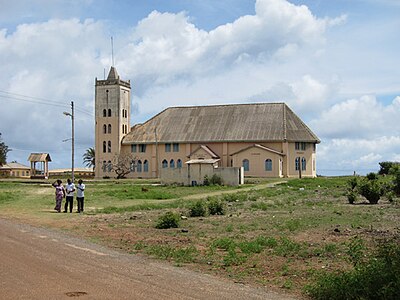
80	195
69	189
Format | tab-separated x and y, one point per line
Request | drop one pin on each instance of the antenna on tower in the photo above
112	52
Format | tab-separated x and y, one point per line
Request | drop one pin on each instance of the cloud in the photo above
359	118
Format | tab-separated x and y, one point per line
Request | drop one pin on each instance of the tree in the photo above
89	158
123	164
3	152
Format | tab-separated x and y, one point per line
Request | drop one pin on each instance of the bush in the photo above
352	182
371	190
215	180
215	206
352	196
168	220
386	166
395	171
372	176
377	278
198	209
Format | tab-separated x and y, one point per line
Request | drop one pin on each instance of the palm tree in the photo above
89	158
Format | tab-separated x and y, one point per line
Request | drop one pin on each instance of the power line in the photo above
37	100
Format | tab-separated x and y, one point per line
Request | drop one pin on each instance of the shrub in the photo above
371	190
372	176
168	220
352	182
198	209
206	181
377	278
386	166
395	171
215	206
352	196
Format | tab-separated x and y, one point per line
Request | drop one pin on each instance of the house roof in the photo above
223	123
14	165
35	157
206	149
259	147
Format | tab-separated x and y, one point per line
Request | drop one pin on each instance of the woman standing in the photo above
60	194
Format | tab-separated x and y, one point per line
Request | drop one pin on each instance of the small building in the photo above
15	169
39	165
78	172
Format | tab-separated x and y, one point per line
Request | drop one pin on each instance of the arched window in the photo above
132	166
104	113
109	166
172	164
109	128
179	164
104	166
139	166
246	165
303	164
164	164
268	164
145	166
109	147
104	147
297	163
104	128
109	112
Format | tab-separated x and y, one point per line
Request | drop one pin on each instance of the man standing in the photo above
80	195
70	189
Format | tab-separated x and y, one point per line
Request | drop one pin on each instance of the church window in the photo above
246	165
303	164
109	147
104	147
109	166
109	128
146	166
176	147
142	148
134	148
104	166
179	164
167	147
109	112
104	128
268	164
104	113
172	164
297	163
139	166
164	164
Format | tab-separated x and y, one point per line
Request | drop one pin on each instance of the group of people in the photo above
67	192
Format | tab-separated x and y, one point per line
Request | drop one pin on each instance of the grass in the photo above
281	236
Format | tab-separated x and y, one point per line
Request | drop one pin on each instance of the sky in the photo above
335	63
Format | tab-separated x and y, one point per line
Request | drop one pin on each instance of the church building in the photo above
266	139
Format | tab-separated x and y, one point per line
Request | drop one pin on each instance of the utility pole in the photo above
72	139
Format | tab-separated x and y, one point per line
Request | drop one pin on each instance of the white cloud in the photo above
359	118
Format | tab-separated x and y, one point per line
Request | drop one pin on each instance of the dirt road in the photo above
37	263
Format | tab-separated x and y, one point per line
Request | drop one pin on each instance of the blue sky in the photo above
335	63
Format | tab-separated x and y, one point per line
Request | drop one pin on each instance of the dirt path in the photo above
39	263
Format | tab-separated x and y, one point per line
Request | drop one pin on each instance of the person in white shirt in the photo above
69	190
80	195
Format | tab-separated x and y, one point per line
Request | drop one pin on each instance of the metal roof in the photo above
35	157
258	122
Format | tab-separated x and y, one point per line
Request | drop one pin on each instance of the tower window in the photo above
104	128
104	147
109	128
104	113
109	147
109	112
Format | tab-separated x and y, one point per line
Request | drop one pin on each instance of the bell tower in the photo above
112	116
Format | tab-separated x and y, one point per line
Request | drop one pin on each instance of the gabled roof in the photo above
258	122
259	147
206	149
35	157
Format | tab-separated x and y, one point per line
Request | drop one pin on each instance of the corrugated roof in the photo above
14	165
223	123
39	157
